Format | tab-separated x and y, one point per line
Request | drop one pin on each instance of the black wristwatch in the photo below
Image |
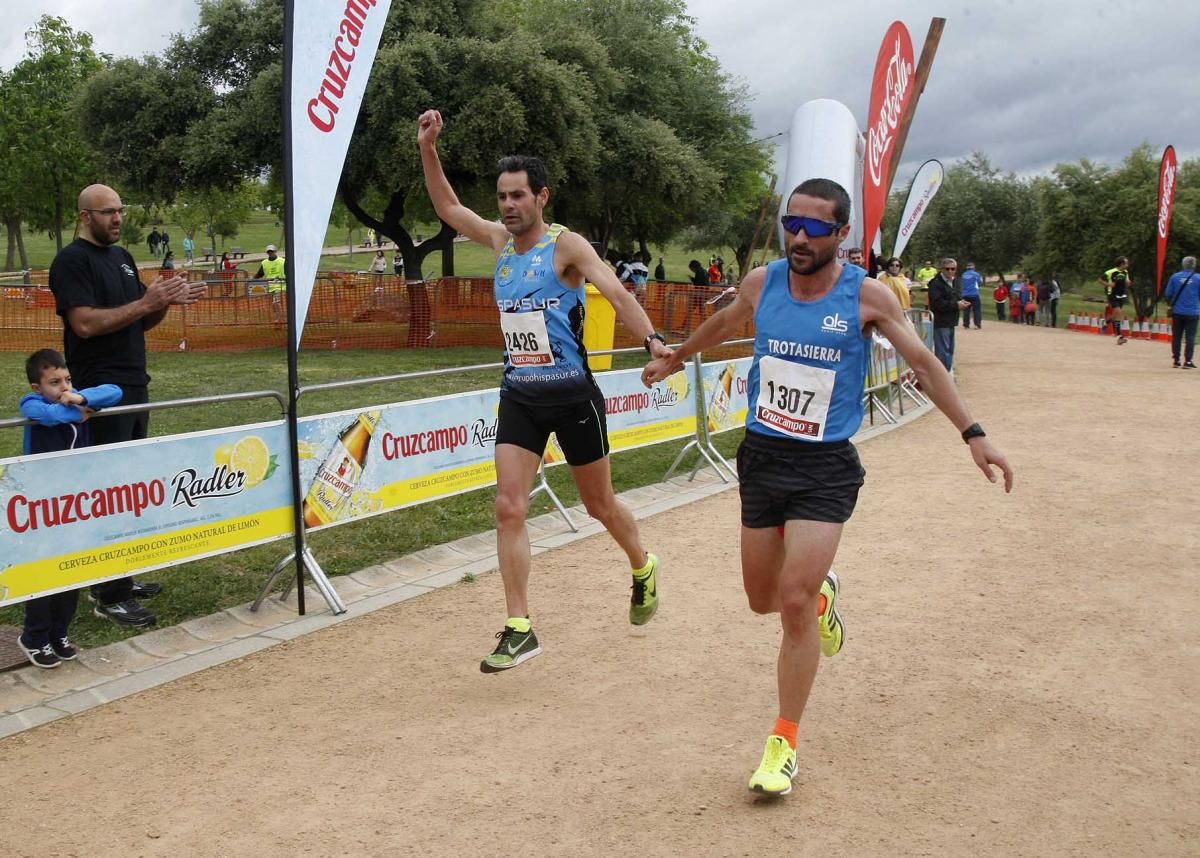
652	336
973	431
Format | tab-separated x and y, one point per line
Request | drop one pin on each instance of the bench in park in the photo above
210	253
237	253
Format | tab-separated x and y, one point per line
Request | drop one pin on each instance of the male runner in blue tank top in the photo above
799	474
547	387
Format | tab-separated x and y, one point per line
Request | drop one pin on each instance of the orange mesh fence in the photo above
347	311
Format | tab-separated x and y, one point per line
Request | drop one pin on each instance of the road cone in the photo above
1071	322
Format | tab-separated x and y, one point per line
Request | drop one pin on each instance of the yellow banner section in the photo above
440	484
637	436
137	555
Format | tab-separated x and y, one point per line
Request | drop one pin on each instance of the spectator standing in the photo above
926	273
945	301
59	412
971	281
639	274
153	240
714	271
164	242
660	271
1016	305
1055	297
274	271
106	311
189	249
1044	290
895	280
1182	293
226	262
855	256
398	264
1029	301
1000	296
168	261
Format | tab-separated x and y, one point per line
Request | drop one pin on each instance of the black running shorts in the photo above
580	427
1117	301
782	480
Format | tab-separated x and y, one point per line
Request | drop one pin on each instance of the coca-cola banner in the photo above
84	516
891	94
359	463
333	47
1166	202
925	185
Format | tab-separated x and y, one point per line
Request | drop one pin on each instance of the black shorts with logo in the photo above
580	427
782	480
1117	301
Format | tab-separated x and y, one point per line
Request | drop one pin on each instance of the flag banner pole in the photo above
328	51
924	187
1166	203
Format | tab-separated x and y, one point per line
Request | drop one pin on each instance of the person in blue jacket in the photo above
971	281
1183	297
60	416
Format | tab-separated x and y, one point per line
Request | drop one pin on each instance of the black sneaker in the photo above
128	613
1175	364
64	649
1189	365
145	589
42	656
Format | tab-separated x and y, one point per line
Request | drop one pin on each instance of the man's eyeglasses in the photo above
812	227
108	212
949	267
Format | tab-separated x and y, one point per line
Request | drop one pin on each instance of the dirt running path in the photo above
1020	676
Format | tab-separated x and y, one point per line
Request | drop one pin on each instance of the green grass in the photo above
205	586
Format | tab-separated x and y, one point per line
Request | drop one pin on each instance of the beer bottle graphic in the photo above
718	405
338	475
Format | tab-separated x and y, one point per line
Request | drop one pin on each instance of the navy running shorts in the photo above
782	480
580	427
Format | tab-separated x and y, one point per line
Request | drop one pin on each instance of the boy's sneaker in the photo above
128	613
41	656
1189	365
63	649
514	648
145	589
829	622
644	601
778	767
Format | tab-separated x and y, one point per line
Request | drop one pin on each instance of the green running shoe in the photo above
830	621
644	601
514	648
778	767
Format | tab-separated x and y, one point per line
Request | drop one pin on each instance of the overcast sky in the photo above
1032	83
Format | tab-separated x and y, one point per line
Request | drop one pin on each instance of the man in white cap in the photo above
271	269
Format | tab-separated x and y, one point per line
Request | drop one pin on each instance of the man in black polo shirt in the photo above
106	311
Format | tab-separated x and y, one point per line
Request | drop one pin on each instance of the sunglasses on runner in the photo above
812	227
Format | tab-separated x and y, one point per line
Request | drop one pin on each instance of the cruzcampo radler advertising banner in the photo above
79	517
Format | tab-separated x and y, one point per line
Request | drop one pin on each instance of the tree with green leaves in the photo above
49	155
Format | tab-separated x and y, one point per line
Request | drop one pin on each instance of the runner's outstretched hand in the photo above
987	454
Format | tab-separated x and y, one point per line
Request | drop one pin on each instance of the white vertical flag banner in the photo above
920	195
333	48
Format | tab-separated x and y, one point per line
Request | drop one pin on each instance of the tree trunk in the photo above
10	258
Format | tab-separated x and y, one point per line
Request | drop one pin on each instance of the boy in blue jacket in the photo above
61	414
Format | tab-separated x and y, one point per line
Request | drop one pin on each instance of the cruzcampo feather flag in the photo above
330	50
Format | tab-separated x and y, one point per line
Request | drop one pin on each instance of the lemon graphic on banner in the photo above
678	383
221	454
251	456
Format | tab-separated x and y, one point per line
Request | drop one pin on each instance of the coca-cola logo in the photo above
881	134
1166	196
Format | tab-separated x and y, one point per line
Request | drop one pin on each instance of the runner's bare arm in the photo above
577	257
878	306
445	201
720	326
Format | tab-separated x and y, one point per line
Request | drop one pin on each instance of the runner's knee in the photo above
511	508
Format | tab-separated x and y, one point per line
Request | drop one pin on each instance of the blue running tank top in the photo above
542	319
810	360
